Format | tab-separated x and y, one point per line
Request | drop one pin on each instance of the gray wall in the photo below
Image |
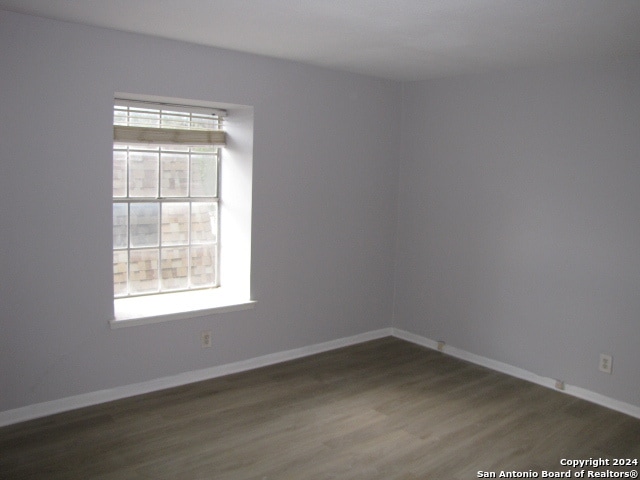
519	219
325	180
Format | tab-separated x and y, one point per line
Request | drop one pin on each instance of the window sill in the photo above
130	312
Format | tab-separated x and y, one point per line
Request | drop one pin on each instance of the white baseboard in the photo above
623	407
44	409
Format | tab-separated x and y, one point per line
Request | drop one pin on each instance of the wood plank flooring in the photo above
385	409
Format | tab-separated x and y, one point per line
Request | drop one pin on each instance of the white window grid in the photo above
169	118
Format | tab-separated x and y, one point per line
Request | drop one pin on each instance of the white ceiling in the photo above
400	39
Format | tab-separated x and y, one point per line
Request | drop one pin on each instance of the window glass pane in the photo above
203	268
204	123
204	222
143	117
175	120
120	225
144	224
143	271
175	223
175	148
120	272
204	176
175	175
119	173
120	116
204	149
175	268
143	174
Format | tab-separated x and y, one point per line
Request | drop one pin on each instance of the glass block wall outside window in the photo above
165	206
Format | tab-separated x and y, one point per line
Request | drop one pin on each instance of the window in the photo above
182	189
165	198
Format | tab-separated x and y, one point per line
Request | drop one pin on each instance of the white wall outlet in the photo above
441	346
205	339
606	363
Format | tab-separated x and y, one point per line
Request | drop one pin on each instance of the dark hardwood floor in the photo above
385	409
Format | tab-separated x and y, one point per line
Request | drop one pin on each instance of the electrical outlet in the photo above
606	363
441	346
205	339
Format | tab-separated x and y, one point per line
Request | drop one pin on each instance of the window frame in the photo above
235	181
130	120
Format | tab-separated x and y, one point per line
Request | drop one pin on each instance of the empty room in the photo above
365	239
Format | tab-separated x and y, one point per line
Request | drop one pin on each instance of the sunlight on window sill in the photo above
135	311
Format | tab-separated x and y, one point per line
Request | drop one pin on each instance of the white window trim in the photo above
233	294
